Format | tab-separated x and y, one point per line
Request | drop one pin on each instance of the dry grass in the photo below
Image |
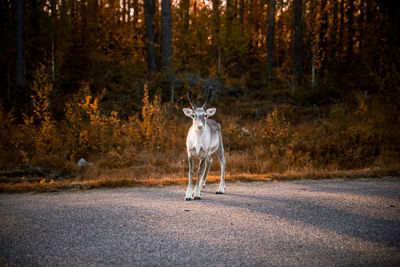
124	178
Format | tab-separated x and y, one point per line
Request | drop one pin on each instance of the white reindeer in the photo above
203	140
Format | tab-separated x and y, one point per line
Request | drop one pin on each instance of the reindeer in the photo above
203	140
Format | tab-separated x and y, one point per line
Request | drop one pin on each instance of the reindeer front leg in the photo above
189	191
207	169
199	173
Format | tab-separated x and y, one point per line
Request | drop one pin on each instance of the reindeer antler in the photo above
208	98
189	93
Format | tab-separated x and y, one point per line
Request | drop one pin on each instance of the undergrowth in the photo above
151	143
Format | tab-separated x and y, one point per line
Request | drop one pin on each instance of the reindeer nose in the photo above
199	126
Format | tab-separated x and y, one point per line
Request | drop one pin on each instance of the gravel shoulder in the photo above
304	222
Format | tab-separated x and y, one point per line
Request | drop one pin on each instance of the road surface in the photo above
304	222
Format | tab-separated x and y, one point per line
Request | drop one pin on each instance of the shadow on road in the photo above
376	230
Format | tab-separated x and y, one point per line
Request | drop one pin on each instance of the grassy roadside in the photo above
115	181
263	141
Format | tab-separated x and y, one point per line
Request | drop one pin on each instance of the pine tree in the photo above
166	35
149	14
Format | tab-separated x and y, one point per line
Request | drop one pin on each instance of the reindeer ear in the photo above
211	111
188	112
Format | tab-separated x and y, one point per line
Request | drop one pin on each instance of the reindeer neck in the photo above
199	138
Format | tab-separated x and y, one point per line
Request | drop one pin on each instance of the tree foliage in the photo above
108	44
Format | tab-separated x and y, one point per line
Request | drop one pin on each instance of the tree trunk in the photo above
185	6
334	38
229	14
270	43
20	57
216	35
314	43
350	32
313	63
184	10
227	35
128	5
235	9
323	29
123	11
73	9
53	37
166	35
34	32
241	13
135	12
341	29
298	36
149	14
364	23
3	84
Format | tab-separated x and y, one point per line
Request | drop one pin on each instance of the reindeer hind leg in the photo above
222	161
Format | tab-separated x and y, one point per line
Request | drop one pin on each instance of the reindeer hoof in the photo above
197	198
188	199
219	193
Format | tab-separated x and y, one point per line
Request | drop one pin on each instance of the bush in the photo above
91	131
37	138
151	125
8	140
283	144
349	138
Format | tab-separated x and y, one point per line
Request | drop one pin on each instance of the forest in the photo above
303	88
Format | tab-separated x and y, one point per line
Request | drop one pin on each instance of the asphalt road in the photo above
310	222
